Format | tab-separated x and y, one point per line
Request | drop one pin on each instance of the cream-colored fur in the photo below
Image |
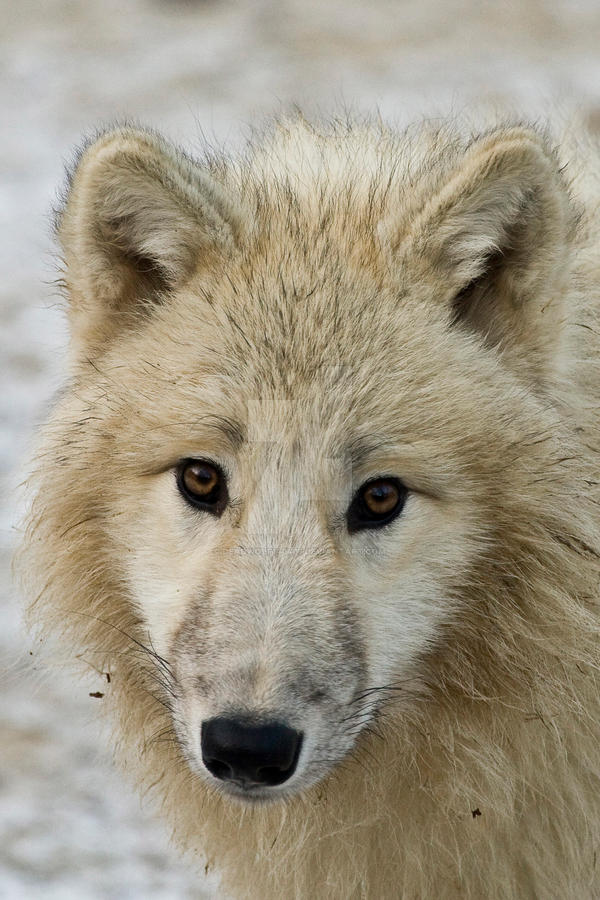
426	303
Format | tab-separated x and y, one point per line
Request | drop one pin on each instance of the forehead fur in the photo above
310	294
368	162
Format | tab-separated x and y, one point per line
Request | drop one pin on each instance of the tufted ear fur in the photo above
493	241
138	219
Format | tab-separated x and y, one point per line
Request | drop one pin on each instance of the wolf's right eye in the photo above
202	484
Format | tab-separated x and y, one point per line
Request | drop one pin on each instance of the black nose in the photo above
237	750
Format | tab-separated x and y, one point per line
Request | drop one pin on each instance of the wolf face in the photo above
293	380
284	597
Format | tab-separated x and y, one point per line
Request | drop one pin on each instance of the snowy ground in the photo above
69	826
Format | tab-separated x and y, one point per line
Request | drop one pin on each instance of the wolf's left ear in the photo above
493	240
139	217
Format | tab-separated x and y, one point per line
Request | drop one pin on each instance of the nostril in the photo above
218	769
242	751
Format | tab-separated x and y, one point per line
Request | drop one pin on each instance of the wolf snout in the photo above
249	754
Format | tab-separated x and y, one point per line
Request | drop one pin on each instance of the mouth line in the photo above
253	795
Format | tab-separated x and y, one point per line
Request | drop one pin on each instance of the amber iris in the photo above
381	497
202	484
200	478
376	503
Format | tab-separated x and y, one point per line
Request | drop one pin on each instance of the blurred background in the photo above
70	826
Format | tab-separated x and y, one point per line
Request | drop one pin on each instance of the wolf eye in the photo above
376	503
202	484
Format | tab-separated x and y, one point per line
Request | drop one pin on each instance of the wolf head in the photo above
300	451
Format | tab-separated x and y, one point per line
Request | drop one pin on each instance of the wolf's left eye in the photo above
376	503
202	484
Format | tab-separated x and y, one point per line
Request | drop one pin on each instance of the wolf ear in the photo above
138	218
493	242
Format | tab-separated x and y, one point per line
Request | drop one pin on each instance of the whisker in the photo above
162	671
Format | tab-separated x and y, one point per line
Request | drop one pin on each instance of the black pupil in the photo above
204	476
380	493
202	480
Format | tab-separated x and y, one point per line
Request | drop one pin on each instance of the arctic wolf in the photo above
321	495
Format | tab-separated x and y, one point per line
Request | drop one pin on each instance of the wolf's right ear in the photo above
139	217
